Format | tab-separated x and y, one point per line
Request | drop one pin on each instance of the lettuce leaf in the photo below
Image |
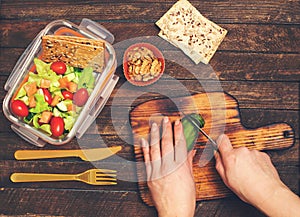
44	71
35	121
21	92
69	122
41	104
46	128
87	79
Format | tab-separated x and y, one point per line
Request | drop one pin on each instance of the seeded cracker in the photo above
74	51
186	28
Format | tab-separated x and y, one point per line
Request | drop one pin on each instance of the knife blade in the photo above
93	154
193	121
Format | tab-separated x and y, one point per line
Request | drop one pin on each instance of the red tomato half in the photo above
57	126
19	108
67	94
59	67
47	95
80	97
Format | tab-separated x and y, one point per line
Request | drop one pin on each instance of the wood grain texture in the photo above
266	11
221	114
241	37
126	173
228	66
28	201
255	95
257	63
58	202
250	118
262	95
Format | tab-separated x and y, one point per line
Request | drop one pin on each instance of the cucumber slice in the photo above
56	112
62	106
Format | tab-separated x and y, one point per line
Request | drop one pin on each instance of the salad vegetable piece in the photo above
19	108
190	131
51	98
57	126
59	67
67	94
81	96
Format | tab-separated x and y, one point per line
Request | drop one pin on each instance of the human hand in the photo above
251	175
169	171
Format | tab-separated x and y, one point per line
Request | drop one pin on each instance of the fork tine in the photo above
104	171
105	179
105	183
99	177
105	175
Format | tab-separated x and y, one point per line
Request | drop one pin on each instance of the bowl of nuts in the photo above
143	64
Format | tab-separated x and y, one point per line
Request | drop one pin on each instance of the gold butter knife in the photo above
93	154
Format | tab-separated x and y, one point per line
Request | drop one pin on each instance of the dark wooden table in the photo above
258	63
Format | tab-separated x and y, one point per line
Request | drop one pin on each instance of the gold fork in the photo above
92	177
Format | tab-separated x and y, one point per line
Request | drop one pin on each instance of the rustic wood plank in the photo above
219	11
232	66
126	173
24	201
232	206
287	169
250	118
260	95
21	201
240	37
95	137
10	143
229	66
74	165
258	63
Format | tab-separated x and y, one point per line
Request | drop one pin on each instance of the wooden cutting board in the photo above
221	114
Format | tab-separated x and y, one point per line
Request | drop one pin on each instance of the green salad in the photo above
51	98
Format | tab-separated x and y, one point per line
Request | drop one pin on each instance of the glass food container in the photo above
104	81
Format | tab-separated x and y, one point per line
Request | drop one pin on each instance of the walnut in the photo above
142	64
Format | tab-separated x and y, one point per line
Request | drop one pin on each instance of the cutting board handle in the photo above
271	137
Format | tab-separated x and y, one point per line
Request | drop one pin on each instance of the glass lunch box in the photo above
104	81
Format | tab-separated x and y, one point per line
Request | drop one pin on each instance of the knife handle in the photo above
44	154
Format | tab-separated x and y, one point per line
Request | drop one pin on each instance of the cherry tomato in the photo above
47	95
80	97
67	94
59	67
57	126
19	108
